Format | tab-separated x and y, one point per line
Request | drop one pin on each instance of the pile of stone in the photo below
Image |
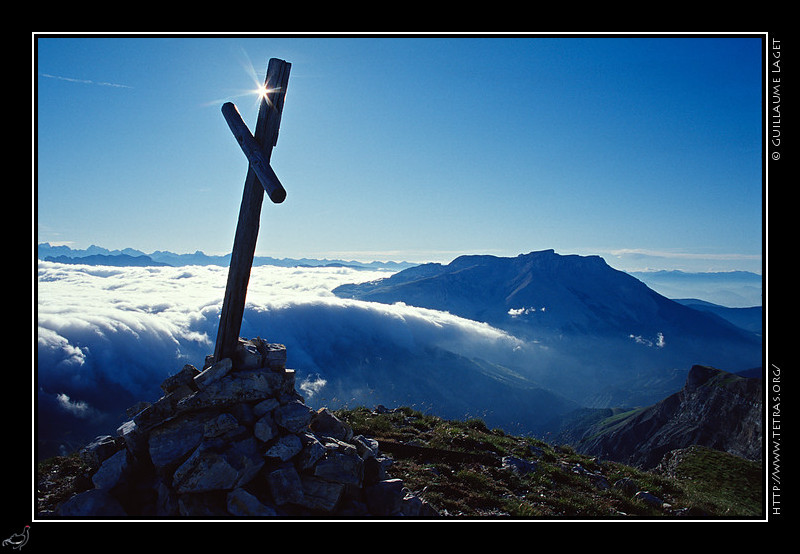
236	440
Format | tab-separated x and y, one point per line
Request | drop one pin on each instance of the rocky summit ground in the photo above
465	470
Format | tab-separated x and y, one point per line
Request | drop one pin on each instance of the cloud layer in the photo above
107	337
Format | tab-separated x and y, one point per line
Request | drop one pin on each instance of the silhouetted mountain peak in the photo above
564	290
578	306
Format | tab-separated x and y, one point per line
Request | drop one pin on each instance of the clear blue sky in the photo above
416	149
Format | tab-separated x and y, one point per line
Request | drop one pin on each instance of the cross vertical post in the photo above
244	244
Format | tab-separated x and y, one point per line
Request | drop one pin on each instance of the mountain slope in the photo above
465	469
750	318
715	409
439	381
545	290
604	337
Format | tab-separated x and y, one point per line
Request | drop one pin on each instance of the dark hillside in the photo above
463	469
715	409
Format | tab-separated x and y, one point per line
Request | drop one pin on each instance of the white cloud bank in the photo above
107	337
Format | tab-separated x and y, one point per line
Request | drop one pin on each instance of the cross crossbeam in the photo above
260	178
255	154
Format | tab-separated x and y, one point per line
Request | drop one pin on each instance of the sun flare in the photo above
264	93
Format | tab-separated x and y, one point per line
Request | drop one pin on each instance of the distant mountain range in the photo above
728	288
116	260
97	255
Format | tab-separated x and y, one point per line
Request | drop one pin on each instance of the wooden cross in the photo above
260	178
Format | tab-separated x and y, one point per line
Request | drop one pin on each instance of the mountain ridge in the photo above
519	273
714	287
715	409
589	294
98	255
604	324
116	260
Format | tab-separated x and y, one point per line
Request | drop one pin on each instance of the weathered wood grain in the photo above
255	154
244	244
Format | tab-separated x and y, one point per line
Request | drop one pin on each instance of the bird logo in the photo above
18	540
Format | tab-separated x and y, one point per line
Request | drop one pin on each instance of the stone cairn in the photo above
236	440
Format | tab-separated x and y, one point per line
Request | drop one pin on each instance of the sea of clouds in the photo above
108	336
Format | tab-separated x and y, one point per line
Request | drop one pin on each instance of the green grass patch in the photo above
564	484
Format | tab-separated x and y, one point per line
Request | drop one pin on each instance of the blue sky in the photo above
646	151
